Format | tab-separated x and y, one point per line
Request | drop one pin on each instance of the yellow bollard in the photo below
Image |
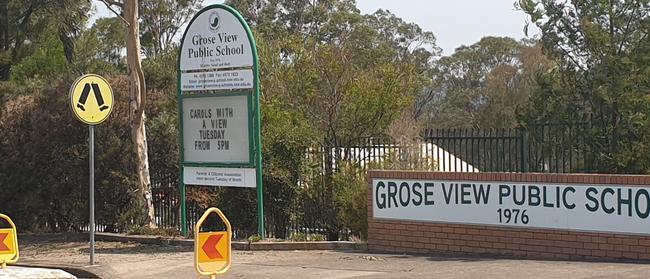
8	243
212	250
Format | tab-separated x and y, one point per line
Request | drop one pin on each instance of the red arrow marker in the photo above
3	246
210	247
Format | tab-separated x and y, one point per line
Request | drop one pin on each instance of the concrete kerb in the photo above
76	271
236	245
308	245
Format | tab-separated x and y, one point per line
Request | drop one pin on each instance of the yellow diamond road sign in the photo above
91	99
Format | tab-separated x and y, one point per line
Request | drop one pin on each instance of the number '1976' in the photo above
515	216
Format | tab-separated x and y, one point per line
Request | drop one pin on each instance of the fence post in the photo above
524	150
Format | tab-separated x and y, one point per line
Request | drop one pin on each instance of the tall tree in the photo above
161	20
346	74
22	22
484	85
46	62
112	42
603	55
339	55
100	48
137	98
318	20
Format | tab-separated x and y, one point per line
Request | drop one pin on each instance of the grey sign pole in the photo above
91	129
103	94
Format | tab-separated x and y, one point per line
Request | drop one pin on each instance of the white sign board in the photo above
232	177
215	40
222	80
615	208
215	129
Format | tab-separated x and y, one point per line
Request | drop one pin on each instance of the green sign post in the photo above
219	106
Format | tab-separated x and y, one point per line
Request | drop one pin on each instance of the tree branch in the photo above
624	32
113	2
108	4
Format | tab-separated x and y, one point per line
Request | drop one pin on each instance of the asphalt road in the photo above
339	265
118	260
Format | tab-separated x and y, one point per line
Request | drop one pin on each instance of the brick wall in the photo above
428	237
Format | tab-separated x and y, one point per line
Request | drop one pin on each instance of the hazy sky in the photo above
454	22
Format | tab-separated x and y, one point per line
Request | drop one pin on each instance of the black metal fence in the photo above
558	148
470	150
166	200
368	151
548	148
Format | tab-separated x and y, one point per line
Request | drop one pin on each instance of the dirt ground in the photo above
130	260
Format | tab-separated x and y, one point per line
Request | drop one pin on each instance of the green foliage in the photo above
602	77
298	236
161	21
30	20
254	238
45	170
484	85
348	74
351	198
351	187
316	203
161	72
162	113
301	237
330	76
316	237
240	205
46	62
99	49
286	134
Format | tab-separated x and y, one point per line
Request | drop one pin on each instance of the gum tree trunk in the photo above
137	102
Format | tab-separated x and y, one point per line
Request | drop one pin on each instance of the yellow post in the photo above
213	276
4	265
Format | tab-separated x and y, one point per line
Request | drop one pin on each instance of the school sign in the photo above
620	208
219	111
556	216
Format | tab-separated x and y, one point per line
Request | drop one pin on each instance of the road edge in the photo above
236	245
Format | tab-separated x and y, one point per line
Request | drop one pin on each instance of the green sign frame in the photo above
254	122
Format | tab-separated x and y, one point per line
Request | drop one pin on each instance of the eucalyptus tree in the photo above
130	15
602	50
24	22
338	77
161	22
484	85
